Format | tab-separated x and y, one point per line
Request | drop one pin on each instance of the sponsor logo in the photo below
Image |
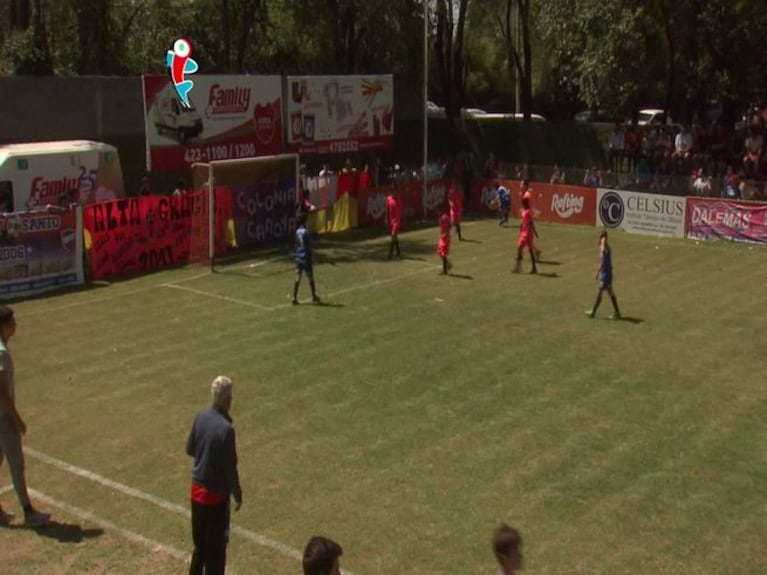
566	205
718	216
47	191
434	197
265	120
611	210
657	205
235	100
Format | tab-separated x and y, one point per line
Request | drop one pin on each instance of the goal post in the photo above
263	193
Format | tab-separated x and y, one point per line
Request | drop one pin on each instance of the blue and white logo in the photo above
611	210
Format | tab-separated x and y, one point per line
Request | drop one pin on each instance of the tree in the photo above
449	54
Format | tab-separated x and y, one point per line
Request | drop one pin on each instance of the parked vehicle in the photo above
36	174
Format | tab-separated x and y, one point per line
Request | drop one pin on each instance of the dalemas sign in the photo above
148	233
640	213
709	219
231	117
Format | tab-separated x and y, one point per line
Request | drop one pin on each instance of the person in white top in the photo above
682	149
616	148
753	157
12	427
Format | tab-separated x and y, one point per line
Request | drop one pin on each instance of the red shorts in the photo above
443	248
393	228
455	217
525	240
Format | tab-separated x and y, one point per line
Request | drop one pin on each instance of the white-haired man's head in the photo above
221	390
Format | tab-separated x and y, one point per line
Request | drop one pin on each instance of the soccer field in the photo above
413	412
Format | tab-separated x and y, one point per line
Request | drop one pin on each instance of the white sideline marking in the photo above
182	280
217	296
280	548
48	310
109	526
256	264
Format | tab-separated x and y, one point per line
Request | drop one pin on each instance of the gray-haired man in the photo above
214	480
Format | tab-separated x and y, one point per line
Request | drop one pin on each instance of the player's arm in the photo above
7	405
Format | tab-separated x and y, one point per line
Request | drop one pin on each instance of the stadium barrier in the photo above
149	233
710	219
41	250
641	213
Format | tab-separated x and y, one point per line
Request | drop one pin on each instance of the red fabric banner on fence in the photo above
709	219
139	235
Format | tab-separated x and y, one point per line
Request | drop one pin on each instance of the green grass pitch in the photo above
412	413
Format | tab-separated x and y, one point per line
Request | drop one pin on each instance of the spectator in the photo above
180	188
215	480
753	153
145	188
321	556
491	166
701	185
650	140
731	185
363	180
348	167
558	177
683	144
325	171
591	178
633	144
506	548
720	148
12	427
379	172
616	148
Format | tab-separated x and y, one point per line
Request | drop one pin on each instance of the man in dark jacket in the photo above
214	480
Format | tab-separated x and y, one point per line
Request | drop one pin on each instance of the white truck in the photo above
43	173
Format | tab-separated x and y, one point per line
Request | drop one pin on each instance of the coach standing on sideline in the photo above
214	480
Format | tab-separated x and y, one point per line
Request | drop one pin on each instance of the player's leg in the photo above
457	224
310	275
518	261
296	283
593	311
396	245
614	300
531	249
444	265
391	244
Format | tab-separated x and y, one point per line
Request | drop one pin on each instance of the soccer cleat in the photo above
533	271
294	301
6	518
36	519
315	299
615	316
589	313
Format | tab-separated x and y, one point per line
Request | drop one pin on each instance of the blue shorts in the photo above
605	282
304	267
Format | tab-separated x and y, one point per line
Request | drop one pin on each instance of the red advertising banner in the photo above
709	218
231	117
371	206
139	235
563	204
340	114
40	251
483	193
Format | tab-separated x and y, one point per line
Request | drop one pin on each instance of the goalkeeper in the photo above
304	258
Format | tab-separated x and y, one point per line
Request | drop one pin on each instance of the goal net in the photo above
262	193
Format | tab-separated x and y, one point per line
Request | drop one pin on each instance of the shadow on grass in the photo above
548	262
64	532
629	319
460	276
547	275
469	241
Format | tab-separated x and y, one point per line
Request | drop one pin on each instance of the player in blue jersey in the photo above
503	202
605	278
304	260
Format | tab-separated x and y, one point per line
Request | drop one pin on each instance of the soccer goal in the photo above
251	207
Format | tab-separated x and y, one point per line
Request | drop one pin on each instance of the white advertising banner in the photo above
340	114
640	213
231	117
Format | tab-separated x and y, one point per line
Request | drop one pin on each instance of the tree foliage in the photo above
619	55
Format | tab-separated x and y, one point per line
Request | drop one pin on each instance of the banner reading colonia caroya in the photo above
231	117
340	114
640	213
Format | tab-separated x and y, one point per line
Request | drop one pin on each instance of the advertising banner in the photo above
148	233
483	193
371	206
640	213
562	204
40	251
434	198
738	221
231	117
340	114
264	212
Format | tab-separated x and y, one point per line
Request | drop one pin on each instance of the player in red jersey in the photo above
525	239
394	218
443	245
527	192
455	203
